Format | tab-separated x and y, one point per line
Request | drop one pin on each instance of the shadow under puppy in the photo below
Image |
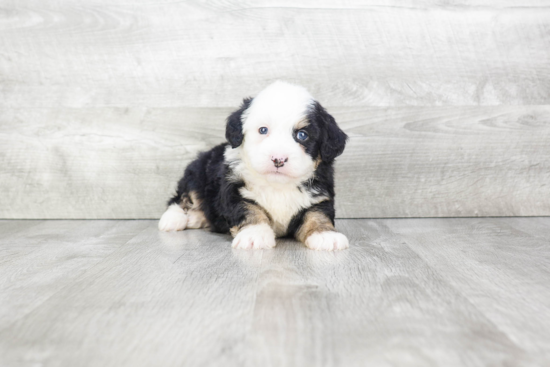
273	178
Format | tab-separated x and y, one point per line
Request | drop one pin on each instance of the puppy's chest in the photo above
281	203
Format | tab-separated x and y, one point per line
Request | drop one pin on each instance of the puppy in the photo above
273	178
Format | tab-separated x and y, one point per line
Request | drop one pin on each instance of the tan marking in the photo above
301	124
197	219
317	161
191	205
314	221
186	203
190	201
254	215
234	230
195	199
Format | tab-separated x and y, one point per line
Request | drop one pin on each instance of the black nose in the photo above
279	162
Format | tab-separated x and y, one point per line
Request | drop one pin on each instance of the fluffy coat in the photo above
273	177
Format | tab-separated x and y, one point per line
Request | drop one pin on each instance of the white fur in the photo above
173	219
282	108
257	236
327	241
281	200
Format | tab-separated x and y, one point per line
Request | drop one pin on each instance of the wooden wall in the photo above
447	103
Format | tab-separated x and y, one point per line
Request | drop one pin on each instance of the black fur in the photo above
222	203
234	127
332	140
325	137
326	207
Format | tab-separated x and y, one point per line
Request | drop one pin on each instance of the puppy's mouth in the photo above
278	173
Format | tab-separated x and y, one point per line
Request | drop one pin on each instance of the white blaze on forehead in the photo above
279	105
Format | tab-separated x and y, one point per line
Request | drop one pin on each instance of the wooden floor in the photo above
409	292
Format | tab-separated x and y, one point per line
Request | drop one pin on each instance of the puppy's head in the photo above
284	133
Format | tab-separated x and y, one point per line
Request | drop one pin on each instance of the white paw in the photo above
327	241
173	219
256	236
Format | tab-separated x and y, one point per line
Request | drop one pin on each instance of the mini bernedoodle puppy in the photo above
273	178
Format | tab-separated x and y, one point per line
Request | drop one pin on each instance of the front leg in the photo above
317	231
254	230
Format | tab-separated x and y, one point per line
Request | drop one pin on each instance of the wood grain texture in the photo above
506	260
103	103
173	290
33	270
445	162
408	292
196	54
400	162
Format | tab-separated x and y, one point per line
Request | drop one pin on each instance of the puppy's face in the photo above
284	134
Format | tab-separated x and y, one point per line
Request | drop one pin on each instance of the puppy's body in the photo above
273	178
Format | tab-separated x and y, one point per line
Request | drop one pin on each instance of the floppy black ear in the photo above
234	127
332	139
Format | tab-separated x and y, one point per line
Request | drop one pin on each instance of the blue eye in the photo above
263	130
301	135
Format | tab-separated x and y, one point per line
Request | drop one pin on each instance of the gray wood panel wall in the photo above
103	103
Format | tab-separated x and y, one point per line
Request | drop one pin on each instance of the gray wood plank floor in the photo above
409	292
